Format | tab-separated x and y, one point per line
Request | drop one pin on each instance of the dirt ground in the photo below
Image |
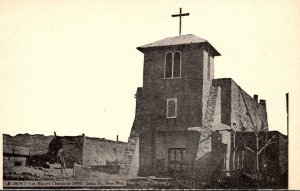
39	173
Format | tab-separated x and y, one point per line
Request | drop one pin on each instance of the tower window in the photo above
208	67
169	65
173	65
171	108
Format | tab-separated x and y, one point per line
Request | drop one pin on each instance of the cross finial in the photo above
180	15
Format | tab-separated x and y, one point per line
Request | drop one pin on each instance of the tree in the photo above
253	121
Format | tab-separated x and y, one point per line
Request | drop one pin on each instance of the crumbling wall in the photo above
37	144
206	82
87	151
129	165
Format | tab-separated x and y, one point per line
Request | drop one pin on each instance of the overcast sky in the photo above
72	66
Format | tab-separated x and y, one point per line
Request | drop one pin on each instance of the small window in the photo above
171	108
173	65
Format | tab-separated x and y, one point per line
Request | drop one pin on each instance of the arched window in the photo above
176	65
169	67
171	108
173	65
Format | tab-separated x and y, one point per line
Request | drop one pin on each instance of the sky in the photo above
72	66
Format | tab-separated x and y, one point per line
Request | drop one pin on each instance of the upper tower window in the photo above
176	65
169	65
173	65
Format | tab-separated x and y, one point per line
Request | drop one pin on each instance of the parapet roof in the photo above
179	40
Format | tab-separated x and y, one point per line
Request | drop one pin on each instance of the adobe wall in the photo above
21	150
233	107
11	160
87	151
225	85
146	154
187	89
257	110
98	151
37	144
151	99
218	112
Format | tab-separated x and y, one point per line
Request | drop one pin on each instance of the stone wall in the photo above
207	82
204	145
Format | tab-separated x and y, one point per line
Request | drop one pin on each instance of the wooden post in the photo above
287	112
288	137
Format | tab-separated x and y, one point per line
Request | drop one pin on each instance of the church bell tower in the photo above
177	77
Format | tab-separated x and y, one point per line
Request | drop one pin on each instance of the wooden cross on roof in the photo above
180	15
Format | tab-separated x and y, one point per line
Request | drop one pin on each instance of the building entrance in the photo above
177	159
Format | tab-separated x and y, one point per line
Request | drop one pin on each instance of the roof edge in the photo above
216	53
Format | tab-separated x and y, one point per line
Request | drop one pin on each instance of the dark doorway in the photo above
177	158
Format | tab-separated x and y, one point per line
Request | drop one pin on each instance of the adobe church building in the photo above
185	118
